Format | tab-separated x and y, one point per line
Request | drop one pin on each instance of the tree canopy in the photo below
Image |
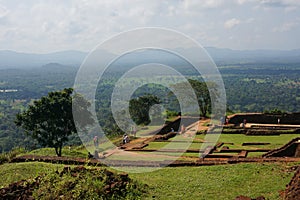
50	119
201	92
203	96
139	108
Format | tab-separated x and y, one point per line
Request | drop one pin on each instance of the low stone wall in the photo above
186	121
261	118
288	150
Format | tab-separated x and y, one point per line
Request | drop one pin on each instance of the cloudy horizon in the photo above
50	26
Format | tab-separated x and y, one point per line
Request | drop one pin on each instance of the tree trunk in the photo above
58	150
203	110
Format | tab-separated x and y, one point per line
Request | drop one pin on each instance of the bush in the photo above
3	158
82	183
7	157
171	114
274	111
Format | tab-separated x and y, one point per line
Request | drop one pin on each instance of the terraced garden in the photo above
234	166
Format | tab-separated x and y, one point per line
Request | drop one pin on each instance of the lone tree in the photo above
50	119
139	108
202	94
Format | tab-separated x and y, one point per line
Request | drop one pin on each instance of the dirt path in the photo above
197	126
121	154
202	125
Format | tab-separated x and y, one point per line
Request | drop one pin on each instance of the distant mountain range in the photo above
12	59
230	56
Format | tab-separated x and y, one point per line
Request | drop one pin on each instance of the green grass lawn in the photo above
78	151
173	145
216	182
205	182
142	156
143	131
75	152
236	139
12	172
276	141
255	154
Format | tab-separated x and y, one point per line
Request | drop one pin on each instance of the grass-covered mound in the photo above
7	157
76	183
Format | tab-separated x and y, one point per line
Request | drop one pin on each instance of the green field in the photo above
77	152
18	171
217	182
236	139
173	145
206	182
276	141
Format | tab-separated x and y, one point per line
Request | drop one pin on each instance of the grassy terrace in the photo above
78	152
276	141
206	182
18	171
172	145
237	140
143	131
217	182
181	143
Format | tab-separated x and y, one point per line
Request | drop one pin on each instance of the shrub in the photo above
274	111
7	157
82	183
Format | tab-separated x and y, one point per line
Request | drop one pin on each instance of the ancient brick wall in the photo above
290	118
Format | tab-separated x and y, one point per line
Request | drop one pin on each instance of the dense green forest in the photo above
255	88
249	88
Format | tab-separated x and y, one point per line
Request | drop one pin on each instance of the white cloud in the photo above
3	11
249	20
43	26
231	23
204	4
287	4
288	26
245	1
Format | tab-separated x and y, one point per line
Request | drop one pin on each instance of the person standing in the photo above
96	142
125	139
244	123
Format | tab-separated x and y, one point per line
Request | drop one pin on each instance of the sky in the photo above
43	26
